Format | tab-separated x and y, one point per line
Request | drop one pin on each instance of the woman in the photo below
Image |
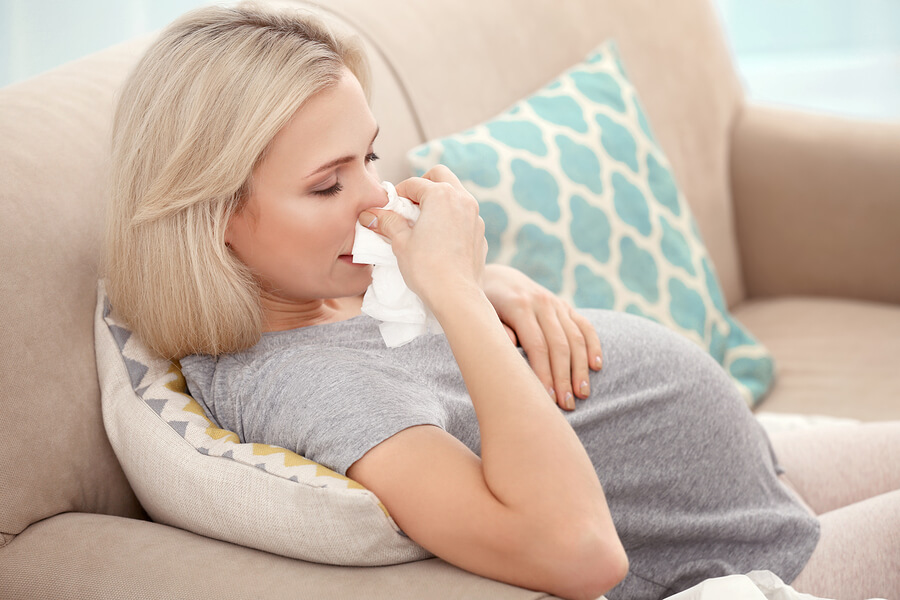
243	158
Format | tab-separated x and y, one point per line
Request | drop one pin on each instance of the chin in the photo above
363	286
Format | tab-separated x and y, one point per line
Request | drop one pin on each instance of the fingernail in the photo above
585	388
552	393
365	217
598	362
569	401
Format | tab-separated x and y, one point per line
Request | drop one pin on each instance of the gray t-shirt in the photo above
689	475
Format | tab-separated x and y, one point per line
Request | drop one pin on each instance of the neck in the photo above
281	315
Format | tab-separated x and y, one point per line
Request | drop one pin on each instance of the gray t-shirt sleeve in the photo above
334	407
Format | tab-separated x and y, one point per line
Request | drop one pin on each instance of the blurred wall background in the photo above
37	35
838	56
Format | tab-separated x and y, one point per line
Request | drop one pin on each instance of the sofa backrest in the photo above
54	453
439	66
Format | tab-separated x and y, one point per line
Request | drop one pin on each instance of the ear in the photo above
242	222
236	222
228	231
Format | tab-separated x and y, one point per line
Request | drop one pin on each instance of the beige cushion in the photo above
54	132
75	556
834	357
190	474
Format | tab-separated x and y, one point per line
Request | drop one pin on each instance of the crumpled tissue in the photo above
755	585
403	315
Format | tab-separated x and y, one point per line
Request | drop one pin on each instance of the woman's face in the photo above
296	229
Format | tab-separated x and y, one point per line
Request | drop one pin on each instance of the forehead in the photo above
335	122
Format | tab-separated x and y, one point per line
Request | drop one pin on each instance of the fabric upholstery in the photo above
439	67
576	193
688	83
54	131
835	357
824	192
75	556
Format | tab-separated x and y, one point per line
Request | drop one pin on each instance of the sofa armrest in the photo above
817	204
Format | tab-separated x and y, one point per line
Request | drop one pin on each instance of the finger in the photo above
535	346
592	339
413	188
385	222
511	334
578	348
441	173
560	354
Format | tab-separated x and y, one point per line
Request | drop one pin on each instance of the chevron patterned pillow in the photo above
189	473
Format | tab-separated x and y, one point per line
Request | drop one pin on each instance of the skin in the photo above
530	511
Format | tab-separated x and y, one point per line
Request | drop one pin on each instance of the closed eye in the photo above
337	187
332	191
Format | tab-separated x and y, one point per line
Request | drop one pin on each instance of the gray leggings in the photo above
848	475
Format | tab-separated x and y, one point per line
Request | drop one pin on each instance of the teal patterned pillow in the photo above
576	193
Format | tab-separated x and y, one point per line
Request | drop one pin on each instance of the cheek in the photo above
264	244
313	245
306	240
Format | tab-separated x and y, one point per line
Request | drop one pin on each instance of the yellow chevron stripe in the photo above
179	386
291	459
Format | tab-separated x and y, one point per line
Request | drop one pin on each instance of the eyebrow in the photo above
343	159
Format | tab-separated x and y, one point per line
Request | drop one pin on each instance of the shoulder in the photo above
292	365
348	361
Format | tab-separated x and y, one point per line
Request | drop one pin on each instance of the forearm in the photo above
531	510
532	459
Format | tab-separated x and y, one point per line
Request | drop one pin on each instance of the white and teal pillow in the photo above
576	193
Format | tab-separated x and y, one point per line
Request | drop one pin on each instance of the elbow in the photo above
598	574
591	561
615	570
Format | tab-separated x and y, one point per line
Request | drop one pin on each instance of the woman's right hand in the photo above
446	246
530	510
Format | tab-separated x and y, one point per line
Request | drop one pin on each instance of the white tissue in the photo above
403	315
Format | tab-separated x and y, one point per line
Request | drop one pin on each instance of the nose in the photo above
374	195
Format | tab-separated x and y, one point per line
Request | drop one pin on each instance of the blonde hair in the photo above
193	120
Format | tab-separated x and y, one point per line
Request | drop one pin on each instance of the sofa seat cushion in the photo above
80	555
835	357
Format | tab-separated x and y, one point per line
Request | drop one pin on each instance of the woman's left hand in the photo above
561	344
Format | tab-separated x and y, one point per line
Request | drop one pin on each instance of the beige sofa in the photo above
800	213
